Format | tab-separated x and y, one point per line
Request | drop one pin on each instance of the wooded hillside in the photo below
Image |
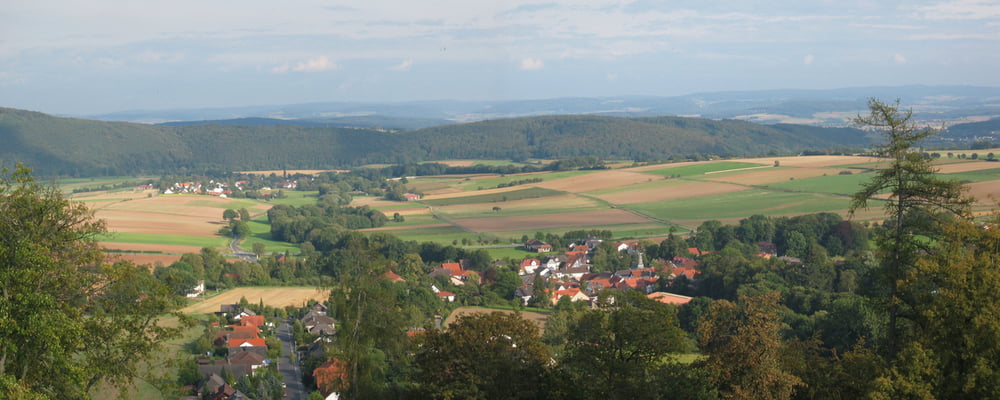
77	147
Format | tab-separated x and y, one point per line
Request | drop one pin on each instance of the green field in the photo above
833	184
262	234
296	198
442	235
166	239
741	204
976	176
529	193
701	169
490	183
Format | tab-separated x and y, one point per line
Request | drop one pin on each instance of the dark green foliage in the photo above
75	147
484	356
68	321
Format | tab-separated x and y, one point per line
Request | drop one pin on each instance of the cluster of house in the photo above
569	274
247	352
221	189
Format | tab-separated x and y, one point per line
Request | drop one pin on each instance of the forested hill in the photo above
77	147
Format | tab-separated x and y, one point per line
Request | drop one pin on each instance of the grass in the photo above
164	239
296	198
160	366
442	234
490	183
981	175
701	169
234	204
261	233
529	193
833	184
741	204
617	231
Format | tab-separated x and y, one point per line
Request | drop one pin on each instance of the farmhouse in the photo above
537	246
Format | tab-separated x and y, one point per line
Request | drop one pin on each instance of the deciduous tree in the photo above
67	320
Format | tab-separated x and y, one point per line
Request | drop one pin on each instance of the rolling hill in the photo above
78	147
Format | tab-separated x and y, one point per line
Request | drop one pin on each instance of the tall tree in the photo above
67	322
918	202
744	347
484	356
615	352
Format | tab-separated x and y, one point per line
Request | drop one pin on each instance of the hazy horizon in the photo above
72	58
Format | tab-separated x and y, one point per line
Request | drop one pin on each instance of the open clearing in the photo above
572	219
773	175
597	181
678	191
810	161
966	167
537	318
279	297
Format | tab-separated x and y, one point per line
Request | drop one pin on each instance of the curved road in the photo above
234	245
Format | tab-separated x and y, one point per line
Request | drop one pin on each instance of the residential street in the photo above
294	388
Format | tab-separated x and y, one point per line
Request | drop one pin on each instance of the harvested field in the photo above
554	204
983	190
535	317
810	161
681	191
966	167
463	193
655	167
176	215
150	247
144	259
585	218
597	181
274	297
772	175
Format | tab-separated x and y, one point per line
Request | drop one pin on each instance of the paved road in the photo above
234	245
293	384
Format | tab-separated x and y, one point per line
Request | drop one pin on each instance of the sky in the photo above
71	57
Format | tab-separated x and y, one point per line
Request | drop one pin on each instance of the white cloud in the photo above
403	66
808	59
531	64
280	69
150	56
961	10
321	63
898	58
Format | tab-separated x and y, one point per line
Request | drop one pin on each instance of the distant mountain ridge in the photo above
79	147
825	107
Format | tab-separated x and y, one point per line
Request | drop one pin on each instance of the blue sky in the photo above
73	57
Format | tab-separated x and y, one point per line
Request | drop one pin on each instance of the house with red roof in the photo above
528	266
669	298
456	272
331	377
446	296
574	294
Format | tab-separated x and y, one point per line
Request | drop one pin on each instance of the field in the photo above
638	202
274	296
535	317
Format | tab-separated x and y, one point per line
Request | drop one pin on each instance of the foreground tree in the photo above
955	349
618	352
744	347
484	356
919	204
67	320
